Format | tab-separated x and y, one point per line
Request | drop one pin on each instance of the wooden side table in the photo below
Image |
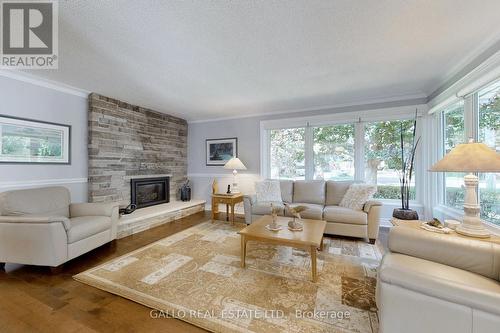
229	199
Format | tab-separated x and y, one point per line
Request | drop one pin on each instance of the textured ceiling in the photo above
208	59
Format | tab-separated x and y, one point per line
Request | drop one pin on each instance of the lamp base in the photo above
235	184
472	225
466	230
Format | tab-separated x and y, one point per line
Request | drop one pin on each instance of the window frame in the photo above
442	150
471	126
359	119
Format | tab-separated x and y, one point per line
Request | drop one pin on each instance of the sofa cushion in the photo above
86	226
357	195
46	201
286	190
344	215
335	191
441	281
264	208
313	211
309	191
268	191
464	253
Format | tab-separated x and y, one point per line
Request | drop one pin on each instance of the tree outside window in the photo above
287	156
383	156
454	134
334	152
489	133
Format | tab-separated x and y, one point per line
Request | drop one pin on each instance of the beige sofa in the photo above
322	200
42	227
438	283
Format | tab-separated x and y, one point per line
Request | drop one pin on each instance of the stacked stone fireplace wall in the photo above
127	140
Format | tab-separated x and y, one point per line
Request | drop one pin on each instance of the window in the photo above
489	133
453	134
482	122
334	152
334	149
383	156
287	153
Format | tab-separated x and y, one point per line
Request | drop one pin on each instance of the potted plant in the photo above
406	175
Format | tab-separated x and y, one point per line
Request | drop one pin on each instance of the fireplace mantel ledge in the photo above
147	176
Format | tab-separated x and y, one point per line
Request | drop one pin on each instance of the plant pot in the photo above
405	214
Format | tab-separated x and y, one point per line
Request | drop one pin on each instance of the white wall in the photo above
32	101
247	130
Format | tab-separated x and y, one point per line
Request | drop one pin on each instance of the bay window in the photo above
476	116
340	147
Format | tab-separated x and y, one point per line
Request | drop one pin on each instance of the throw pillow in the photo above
357	195
268	191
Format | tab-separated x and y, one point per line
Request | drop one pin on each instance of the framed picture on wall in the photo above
219	151
33	141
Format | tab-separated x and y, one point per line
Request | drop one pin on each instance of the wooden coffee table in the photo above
310	239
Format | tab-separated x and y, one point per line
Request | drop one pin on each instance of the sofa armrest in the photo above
373	208
371	203
93	209
250	198
248	201
38	219
468	254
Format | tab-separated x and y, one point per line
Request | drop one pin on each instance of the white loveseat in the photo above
42	227
322	200
438	283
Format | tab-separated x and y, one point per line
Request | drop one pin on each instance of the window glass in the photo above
287	153
489	133
334	152
383	156
453	134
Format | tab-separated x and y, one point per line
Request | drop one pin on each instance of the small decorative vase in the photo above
405	214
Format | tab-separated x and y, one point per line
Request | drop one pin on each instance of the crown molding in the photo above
38	81
419	98
481	65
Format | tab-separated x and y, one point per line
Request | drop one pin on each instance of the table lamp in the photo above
236	165
470	157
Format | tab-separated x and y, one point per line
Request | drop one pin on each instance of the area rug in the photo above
195	276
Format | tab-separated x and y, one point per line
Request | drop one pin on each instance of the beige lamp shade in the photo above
235	164
469	157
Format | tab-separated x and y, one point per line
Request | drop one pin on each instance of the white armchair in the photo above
41	226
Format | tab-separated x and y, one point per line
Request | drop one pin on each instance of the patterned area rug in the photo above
195	276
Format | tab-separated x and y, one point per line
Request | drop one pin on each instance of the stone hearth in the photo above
150	217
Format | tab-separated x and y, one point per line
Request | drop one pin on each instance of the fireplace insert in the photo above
149	191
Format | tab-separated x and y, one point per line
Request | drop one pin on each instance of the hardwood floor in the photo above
32	299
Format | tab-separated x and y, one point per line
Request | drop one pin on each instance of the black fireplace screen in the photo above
150	191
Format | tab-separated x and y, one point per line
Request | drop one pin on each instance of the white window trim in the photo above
358	119
471	125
